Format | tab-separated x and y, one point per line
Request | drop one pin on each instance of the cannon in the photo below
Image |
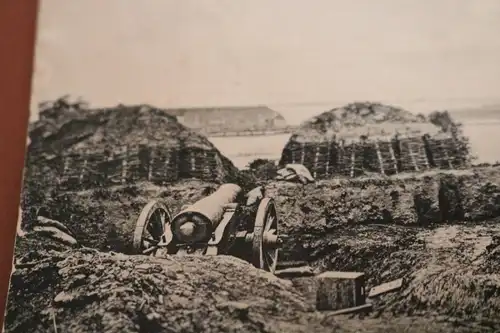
218	224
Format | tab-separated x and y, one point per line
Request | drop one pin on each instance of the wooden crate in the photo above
328	291
340	290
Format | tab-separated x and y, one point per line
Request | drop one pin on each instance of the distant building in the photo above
238	118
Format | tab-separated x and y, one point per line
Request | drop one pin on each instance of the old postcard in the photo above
261	166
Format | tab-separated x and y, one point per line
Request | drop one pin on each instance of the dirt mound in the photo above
421	200
447	275
365	138
428	230
450	280
89	291
73	129
123	144
54	114
105	218
84	290
357	119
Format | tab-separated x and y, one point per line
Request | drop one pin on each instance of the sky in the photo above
298	56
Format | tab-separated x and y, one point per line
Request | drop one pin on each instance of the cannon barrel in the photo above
197	222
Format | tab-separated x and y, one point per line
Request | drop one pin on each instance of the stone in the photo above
56	235
46	222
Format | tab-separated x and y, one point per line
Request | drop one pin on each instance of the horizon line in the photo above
298	103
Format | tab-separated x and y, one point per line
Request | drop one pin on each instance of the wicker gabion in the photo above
366	138
122	145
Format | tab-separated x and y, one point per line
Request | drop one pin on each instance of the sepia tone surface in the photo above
261	167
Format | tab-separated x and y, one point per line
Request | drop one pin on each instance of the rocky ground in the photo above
85	290
437	231
314	212
105	218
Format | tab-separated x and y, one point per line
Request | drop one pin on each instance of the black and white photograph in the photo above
277	166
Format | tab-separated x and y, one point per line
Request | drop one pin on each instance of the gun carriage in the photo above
218	224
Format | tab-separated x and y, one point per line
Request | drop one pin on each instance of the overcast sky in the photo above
278	52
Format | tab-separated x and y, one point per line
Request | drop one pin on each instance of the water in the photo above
242	150
484	139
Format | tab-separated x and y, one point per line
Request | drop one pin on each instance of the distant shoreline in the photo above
242	150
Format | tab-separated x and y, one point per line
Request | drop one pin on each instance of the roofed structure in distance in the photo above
229	118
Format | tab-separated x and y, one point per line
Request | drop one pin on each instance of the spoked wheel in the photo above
265	236
151	226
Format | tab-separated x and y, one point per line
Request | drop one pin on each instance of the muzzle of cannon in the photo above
211	226
198	221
